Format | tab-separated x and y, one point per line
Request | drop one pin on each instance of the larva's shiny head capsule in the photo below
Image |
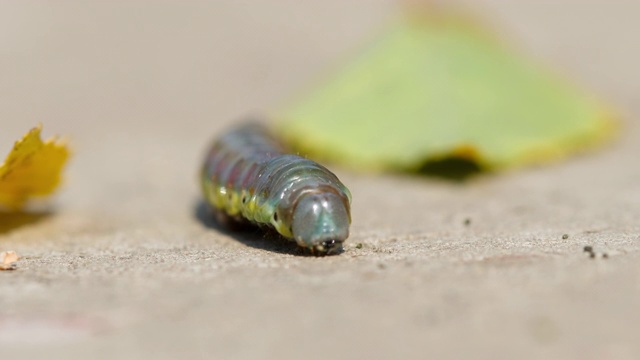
321	222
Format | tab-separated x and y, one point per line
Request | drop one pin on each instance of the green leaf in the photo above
437	87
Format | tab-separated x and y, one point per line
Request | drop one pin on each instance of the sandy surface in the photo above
125	266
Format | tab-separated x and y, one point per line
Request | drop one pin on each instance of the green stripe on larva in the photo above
248	176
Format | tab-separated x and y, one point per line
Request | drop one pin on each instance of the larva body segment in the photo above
247	175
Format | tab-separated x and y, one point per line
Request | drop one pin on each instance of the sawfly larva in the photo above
248	176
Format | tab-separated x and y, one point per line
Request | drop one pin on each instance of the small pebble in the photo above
592	255
467	221
605	256
588	249
565	237
359	246
8	260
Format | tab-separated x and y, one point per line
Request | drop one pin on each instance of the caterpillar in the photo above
248	176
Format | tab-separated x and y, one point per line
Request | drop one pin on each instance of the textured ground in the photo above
126	267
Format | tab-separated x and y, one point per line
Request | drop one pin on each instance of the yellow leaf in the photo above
31	169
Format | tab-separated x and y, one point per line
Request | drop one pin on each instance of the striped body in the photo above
247	175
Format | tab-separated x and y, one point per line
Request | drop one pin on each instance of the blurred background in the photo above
141	87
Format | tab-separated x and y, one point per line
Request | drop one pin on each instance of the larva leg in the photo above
233	223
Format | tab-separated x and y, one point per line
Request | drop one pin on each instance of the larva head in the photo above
321	222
